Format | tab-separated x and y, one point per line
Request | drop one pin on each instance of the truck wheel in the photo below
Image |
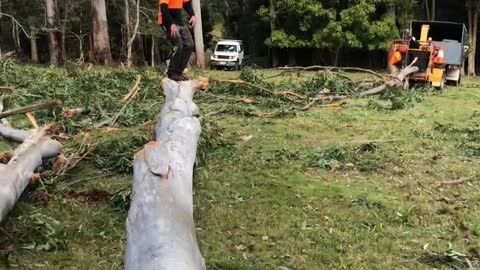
444	80
442	86
237	66
459	81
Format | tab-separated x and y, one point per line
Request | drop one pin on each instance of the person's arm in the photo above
167	18
189	8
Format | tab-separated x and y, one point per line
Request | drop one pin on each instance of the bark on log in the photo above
160	227
397	81
16	175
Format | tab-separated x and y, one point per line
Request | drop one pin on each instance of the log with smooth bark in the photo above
160	227
13	134
397	81
16	175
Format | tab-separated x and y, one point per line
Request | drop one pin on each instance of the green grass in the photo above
260	205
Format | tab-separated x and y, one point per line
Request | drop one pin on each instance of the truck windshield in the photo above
226	48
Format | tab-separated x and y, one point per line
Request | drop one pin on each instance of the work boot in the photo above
176	77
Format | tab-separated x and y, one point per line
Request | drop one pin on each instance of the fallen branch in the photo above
4	121
286	94
8	89
373	91
355	105
69	113
32	120
66	164
311	68
459	181
16	175
112	120
289	93
375	141
322	98
134	89
30	108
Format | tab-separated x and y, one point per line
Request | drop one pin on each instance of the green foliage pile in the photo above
77	88
102	92
268	93
115	153
338	157
401	99
49	233
449	258
311	87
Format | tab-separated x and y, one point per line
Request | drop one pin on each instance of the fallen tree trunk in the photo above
395	82
16	175
160	227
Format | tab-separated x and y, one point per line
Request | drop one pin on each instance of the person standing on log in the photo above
170	18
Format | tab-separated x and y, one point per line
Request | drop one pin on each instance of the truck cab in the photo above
228	54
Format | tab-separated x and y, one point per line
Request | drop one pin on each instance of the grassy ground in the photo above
307	191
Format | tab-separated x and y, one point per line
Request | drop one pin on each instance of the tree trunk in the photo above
54	35
160	227
433	10
131	33
101	39
427	9
16	175
292	60
152	52
16	39
391	11
273	27
473	10
126	37
198	34
33	47
336	61
137	53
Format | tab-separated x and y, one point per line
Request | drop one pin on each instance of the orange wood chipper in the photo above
440	52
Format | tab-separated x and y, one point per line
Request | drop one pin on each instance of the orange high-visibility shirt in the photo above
396	58
172	4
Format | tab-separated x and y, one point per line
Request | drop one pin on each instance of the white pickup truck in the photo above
228	54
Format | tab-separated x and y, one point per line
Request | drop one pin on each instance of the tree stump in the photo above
160	228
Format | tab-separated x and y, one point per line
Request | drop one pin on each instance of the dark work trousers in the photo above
184	47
